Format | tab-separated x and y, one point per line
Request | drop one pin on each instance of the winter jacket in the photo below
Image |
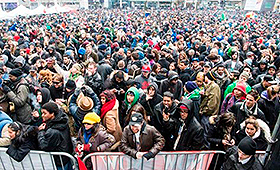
259	138
56	93
232	162
56	137
5	121
77	113
270	108
229	101
23	143
259	88
150	104
241	114
211	100
176	89
185	75
192	135
104	70
143	81
99	138
112	123
237	66
95	82
150	141
19	96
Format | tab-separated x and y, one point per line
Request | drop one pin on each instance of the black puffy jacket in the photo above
56	137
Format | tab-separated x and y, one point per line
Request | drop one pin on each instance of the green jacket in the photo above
233	85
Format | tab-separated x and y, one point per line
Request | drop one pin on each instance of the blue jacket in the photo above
4	119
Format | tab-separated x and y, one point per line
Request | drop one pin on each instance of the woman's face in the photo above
12	134
237	93
251	129
39	97
88	126
103	100
172	67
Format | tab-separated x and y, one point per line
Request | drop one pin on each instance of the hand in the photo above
6	89
139	155
148	155
122	91
224	142
165	116
35	114
114	90
148	97
149	118
232	142
42	126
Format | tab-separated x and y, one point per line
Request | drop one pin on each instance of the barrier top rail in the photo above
35	160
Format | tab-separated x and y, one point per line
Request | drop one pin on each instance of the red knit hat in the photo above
241	86
146	68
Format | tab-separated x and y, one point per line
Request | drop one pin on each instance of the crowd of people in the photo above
140	82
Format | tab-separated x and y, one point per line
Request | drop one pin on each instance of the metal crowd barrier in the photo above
35	160
198	160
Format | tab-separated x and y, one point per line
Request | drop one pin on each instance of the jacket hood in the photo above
46	95
172	75
189	104
135	91
154	84
60	122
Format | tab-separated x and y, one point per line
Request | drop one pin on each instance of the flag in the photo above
81	164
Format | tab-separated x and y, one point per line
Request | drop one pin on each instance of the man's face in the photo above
266	84
262	66
91	68
130	98
220	70
242	155
12	78
250	101
12	134
57	83
271	71
199	81
145	73
46	115
66	60
119	80
174	81
167	101
135	128
184	113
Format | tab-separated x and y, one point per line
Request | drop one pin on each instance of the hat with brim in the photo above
85	103
136	119
91	118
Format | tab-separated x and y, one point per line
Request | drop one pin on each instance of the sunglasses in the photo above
55	82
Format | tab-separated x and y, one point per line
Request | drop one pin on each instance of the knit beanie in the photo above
51	107
248	146
211	76
190	86
16	72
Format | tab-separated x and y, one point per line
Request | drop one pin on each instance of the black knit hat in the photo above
16	72
70	84
51	107
211	75
248	146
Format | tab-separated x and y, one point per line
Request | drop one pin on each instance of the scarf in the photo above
87	135
107	107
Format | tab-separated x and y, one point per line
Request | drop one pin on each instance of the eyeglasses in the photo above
55	82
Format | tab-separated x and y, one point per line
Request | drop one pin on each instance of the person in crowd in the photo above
269	104
249	107
92	137
140	140
56	89
5	121
17	91
93	78
172	84
23	139
257	129
186	132
83	101
54	134
149	101
238	95
131	98
110	114
145	78
242	156
220	136
266	82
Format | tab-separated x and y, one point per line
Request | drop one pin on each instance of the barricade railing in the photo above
198	160
35	160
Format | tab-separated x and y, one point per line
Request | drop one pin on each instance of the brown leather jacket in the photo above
150	140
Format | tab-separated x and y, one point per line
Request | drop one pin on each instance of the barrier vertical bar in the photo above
61	162
12	162
95	162
107	162
52	159
119	162
2	162
216	161
142	162
186	160
31	161
154	160
176	161
165	161
41	161
130	162
208	159
21	165
196	157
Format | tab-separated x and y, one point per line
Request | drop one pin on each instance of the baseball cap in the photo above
136	119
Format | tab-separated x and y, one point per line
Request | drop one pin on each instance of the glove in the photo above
79	149
6	89
148	155
86	147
